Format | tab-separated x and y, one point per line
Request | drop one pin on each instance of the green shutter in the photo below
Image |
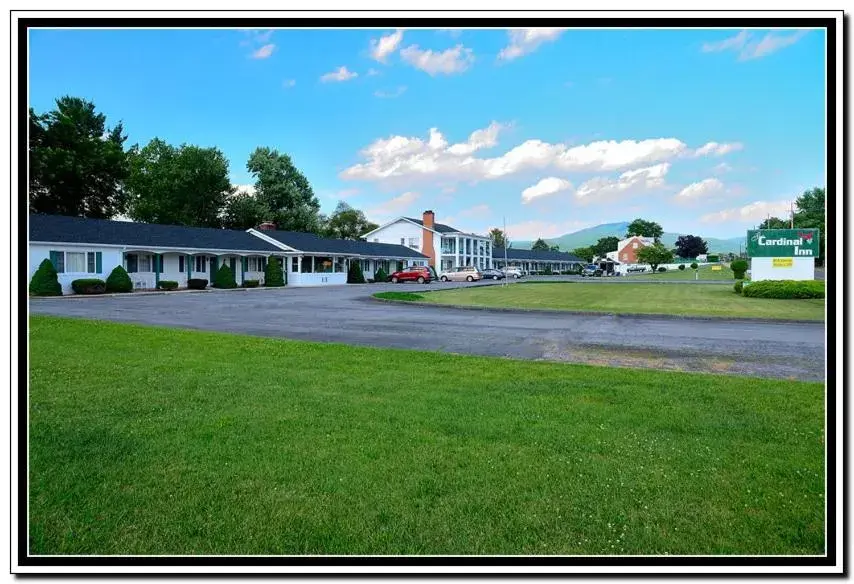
214	266
54	259
189	266
98	264
245	263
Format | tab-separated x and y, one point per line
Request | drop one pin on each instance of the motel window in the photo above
253	264
294	264
402	241
201	262
376	240
625	256
75	263
90	262
340	264
181	264
413	242
635	245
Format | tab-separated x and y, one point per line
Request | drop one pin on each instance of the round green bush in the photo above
738	267
119	281
681	267
251	283
224	278
786	289
694	265
273	275
45	281
89	286
739	285
197	283
167	285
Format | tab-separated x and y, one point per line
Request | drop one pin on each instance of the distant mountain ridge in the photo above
591	235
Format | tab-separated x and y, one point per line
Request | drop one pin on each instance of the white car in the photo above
513	272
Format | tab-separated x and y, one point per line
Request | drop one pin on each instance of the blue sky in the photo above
704	131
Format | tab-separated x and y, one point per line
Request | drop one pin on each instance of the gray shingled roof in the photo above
535	255
62	229
311	243
440	227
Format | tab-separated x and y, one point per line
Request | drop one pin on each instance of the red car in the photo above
420	274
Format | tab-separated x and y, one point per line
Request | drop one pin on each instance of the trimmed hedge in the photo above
380	276
197	283
784	289
273	275
167	285
694	265
738	267
251	283
45	282
224	278
119	281
681	267
738	286
89	286
662	269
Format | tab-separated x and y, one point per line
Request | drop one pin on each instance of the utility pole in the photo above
792	214
506	243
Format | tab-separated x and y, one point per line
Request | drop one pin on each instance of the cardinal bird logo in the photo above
805	236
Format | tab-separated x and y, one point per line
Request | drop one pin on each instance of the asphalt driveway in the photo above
347	314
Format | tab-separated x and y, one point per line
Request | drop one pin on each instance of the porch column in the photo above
299	264
243	261
156	260
313	269
189	261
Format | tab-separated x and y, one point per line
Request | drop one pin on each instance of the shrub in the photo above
89	286
694	265
251	283
167	285
224	277
738	267
197	283
662	269
547	272
682	267
785	289
45	282
273	275
380	276
739	286
119	281
354	274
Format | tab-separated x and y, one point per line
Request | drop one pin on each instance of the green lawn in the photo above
149	440
638	298
703	273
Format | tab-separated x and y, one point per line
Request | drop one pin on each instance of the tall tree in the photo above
284	191
347	223
643	228
77	163
541	245
654	255
811	213
775	223
554	248
605	244
585	253
243	211
690	246
498	237
184	185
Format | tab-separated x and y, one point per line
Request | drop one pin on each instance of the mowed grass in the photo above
149	440
703	273
717	300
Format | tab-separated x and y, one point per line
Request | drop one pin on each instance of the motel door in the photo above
233	263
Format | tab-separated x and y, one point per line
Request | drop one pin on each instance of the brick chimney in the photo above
267	226
429	219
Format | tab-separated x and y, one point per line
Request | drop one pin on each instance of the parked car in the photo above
490	274
420	274
464	273
513	272
591	270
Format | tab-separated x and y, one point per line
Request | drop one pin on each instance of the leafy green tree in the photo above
273	274
554	248
184	185
690	246
77	163
812	213
498	237
119	281
243	211
224	277
775	223
45	281
654	255
541	245
643	228
347	223
605	245
284	191
585	253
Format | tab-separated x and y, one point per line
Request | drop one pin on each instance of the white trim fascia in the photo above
392	222
158	248
272	240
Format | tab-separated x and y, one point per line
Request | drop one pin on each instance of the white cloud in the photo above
390	94
485	138
700	189
340	74
544	188
248	189
752	49
613	155
629	183
289	82
753	213
386	45
393	207
455	60
718	149
372	72
256	36
722	168
264	52
526	40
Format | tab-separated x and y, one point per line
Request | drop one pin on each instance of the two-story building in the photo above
445	246
627	249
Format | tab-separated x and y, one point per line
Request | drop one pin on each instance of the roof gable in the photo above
311	243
